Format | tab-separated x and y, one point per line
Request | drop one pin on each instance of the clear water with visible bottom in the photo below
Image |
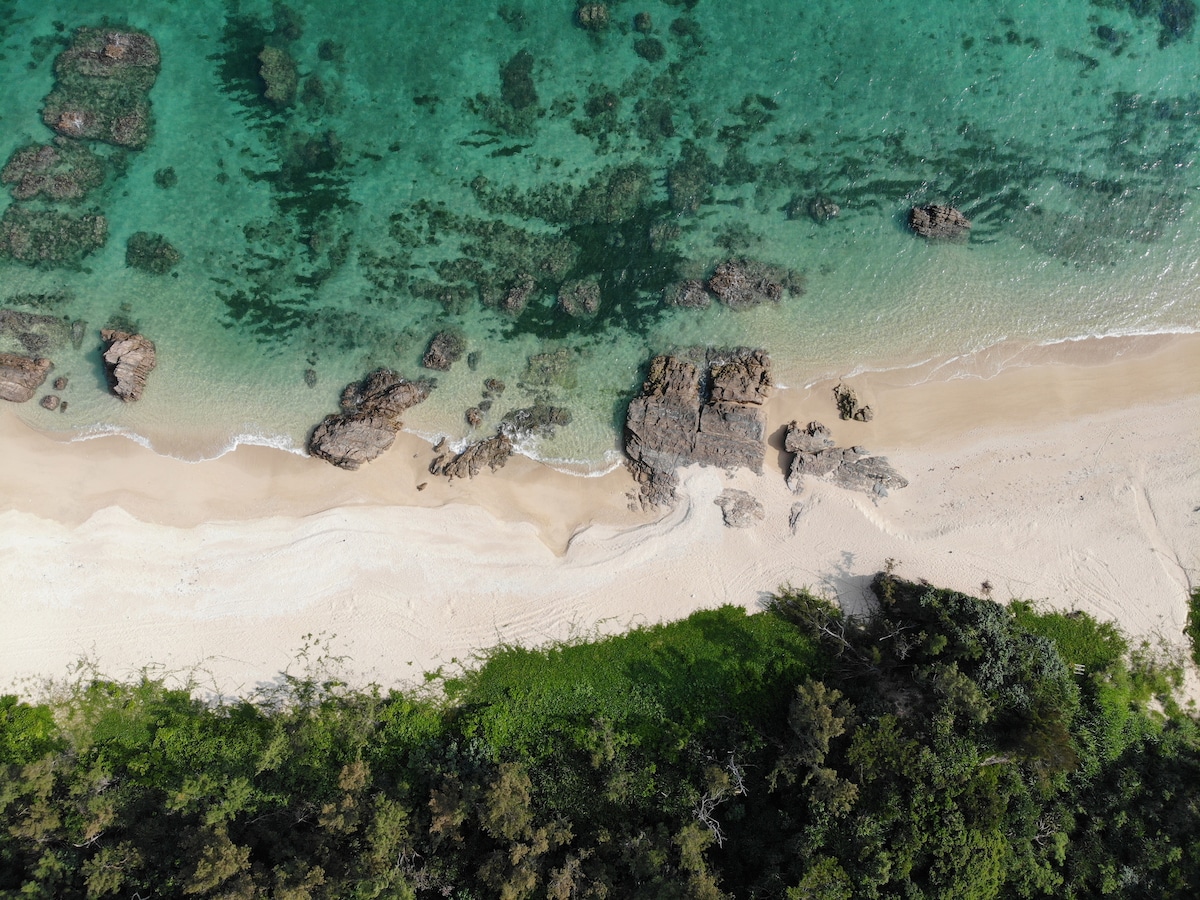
434	156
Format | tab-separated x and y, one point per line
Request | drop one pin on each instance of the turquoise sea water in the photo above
434	153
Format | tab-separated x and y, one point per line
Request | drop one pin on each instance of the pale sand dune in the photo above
1072	475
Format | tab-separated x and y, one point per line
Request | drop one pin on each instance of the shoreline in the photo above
1057	473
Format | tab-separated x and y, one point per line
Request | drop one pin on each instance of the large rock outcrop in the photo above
370	417
682	418
20	376
939	222
128	360
848	467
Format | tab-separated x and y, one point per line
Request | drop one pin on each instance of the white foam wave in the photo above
249	438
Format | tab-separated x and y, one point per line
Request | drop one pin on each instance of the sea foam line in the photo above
253	439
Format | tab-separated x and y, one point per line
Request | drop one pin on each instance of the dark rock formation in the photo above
849	407
852	468
492	452
474	416
151	253
370	417
102	82
680	419
939	222
739	509
743	283
21	376
277	70
643	23
445	349
812	438
50	402
128	359
60	383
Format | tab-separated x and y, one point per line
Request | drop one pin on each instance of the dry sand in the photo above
1068	474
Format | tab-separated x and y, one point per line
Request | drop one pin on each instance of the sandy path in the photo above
1074	478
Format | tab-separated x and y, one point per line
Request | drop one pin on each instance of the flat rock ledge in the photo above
847	467
739	509
685	416
21	376
128	360
492	452
369	420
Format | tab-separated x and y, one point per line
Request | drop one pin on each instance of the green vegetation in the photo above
1193	624
942	746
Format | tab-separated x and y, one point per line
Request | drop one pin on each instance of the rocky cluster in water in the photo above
101	95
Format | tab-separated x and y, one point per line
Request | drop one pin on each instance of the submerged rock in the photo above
540	419
21	376
445	349
681	419
743	283
580	298
848	467
62	171
37	333
37	236
691	294
516	81
939	222
517	295
369	420
102	82
278	72
128	360
593	16
151	253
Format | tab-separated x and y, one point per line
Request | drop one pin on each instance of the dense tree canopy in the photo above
943	746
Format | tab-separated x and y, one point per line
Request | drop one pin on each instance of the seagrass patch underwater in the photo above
310	191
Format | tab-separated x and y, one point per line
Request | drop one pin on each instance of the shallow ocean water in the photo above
410	182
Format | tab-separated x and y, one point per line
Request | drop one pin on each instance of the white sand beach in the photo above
1067	474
